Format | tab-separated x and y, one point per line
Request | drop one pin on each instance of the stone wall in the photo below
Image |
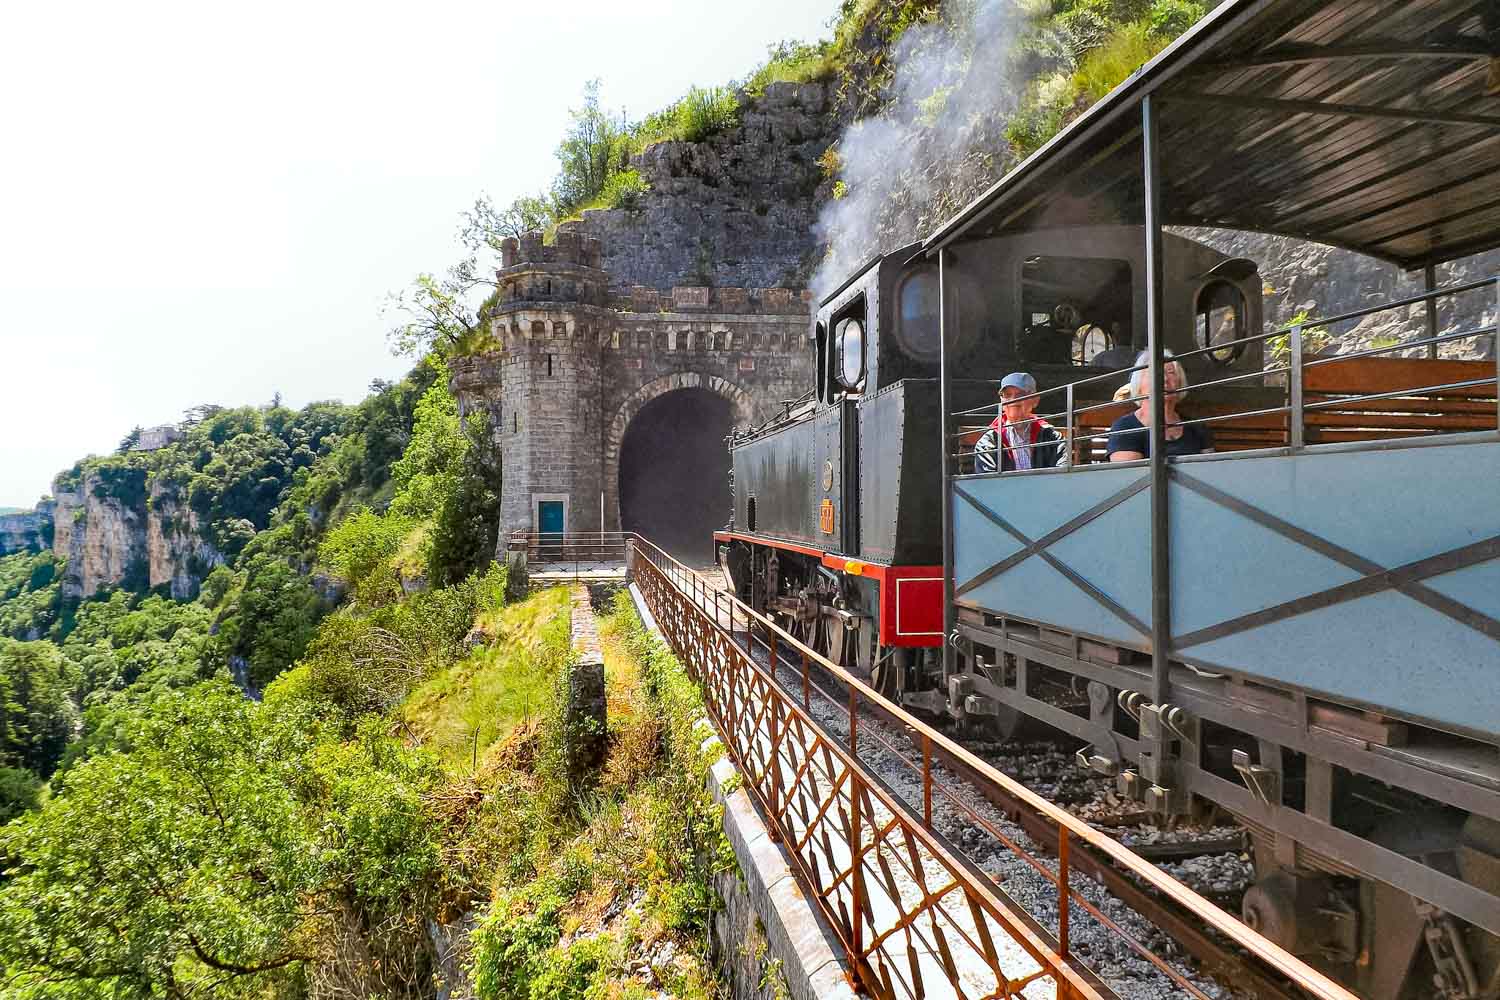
1326	281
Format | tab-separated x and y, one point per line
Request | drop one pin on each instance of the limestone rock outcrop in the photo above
108	542
737	209
102	539
177	553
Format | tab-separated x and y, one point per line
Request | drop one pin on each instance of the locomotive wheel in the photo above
836	642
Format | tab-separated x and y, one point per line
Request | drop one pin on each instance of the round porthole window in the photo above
1219	321
851	354
1089	341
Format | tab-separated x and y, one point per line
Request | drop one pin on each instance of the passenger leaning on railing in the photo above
1130	436
1029	442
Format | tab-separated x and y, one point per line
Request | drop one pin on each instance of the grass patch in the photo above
463	710
632	870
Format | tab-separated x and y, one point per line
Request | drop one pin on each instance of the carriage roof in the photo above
1356	123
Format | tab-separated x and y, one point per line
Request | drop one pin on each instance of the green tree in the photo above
210	847
37	714
593	147
467	526
274	619
160	871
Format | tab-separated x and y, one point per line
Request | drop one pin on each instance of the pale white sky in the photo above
206	202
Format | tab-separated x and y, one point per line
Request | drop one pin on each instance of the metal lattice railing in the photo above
915	917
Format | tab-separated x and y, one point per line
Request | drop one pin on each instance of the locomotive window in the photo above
918	302
1220	319
1089	342
822	336
1069	303
851	355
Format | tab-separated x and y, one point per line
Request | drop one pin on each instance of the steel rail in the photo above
1275	958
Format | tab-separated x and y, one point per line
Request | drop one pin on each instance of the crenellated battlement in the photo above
566	272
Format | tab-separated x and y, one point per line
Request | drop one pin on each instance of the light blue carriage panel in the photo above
1280	569
1094	580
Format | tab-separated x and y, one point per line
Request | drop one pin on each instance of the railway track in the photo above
1142	934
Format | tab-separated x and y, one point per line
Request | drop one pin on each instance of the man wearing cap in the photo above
1021	440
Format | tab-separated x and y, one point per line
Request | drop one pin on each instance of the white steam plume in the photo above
936	143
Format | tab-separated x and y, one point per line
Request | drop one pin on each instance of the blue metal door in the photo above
550	525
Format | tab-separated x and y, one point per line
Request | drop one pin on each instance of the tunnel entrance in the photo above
674	472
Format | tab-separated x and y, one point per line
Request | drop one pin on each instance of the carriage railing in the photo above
1289	375
916	918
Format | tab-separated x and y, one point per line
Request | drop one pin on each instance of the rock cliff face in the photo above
102	539
735	210
176	551
28	531
107	543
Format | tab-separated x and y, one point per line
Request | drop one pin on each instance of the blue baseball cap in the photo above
1019	380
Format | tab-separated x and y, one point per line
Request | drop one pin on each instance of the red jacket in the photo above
1046	441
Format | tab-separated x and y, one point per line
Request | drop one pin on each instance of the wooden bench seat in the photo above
1333	414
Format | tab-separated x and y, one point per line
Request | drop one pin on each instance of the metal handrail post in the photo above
1161	586
1296	430
1430	274
1062	892
1068	451
927	781
856	861
945	404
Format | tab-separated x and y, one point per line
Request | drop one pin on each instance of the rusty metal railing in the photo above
915	917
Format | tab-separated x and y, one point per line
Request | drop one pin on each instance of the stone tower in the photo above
550	316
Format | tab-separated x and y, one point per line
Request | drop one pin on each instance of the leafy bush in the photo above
20	791
1170	18
1126	50
623	190
358	551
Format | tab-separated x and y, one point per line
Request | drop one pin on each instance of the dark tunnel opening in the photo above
674	472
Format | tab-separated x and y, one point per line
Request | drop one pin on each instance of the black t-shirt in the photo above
1129	434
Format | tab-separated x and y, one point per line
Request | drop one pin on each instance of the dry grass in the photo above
462	711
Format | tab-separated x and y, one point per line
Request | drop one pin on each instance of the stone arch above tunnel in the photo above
743	403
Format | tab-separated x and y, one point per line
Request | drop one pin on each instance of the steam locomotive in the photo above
837	523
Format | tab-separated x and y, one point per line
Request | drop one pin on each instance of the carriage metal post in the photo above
1429	273
1161	581
944	405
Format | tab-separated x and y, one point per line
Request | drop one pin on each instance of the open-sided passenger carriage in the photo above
1302	628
